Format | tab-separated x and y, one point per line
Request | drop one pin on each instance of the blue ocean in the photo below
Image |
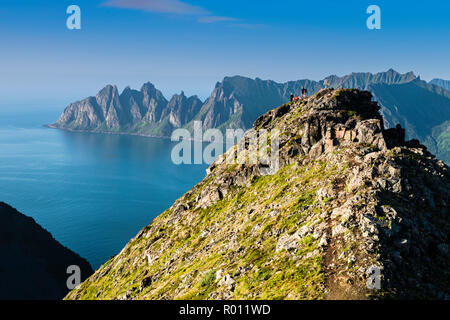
93	192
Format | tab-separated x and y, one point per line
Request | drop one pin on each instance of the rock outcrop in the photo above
354	212
33	265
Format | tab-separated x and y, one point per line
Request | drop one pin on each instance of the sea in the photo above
92	192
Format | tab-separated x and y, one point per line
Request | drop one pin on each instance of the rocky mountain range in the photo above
441	83
422	108
354	212
33	264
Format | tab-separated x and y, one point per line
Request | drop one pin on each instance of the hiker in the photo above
304	92
292	97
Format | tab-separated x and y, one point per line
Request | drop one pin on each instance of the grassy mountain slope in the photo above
349	196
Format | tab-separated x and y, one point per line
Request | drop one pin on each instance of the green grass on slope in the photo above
291	194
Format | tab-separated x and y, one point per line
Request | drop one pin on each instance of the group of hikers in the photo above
304	93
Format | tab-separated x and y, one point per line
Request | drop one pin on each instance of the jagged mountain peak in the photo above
147	85
178	97
107	94
129	92
109	89
350	198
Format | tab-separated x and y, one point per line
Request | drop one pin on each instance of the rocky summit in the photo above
354	212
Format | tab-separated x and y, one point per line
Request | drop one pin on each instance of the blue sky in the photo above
190	45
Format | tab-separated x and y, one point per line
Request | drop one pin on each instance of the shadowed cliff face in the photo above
422	109
350	197
441	83
237	102
33	265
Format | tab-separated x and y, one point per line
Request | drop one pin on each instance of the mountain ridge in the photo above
231	88
350	197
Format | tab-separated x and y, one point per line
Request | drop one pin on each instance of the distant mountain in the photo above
364	80
145	112
422	109
33	265
236	102
441	83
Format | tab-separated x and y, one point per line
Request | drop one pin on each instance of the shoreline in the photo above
50	126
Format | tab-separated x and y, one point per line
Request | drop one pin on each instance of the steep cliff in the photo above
33	264
351	200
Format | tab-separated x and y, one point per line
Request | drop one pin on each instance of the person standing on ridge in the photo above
292	97
304	92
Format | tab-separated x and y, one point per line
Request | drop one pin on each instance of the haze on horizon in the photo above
189	45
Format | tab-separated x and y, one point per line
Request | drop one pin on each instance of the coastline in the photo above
50	126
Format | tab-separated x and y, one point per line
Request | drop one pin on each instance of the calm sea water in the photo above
93	192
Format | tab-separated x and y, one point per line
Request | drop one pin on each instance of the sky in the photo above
189	45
